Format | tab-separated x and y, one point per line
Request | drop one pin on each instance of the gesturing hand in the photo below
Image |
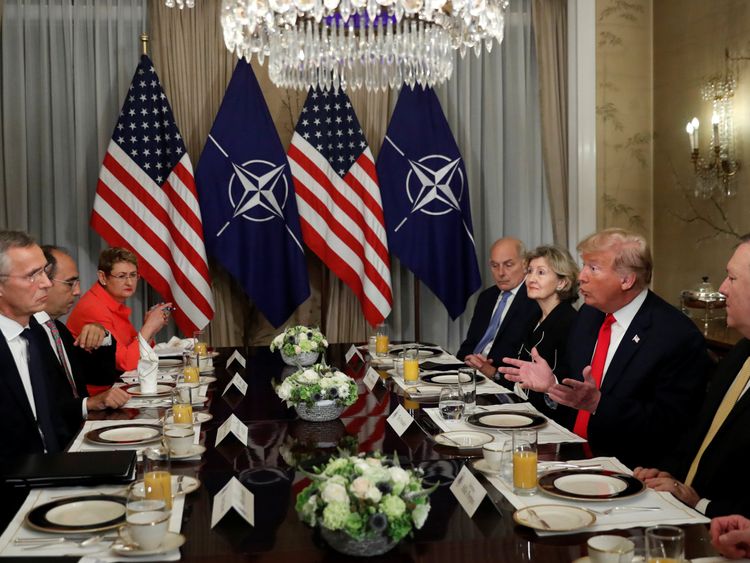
582	395
535	375
730	535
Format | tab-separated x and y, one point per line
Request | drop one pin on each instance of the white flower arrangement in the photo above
365	497
299	339
318	383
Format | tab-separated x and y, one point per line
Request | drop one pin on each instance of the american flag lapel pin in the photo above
636	339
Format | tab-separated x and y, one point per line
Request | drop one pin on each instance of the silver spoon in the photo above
88	542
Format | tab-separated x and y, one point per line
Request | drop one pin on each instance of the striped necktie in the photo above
492	328
61	355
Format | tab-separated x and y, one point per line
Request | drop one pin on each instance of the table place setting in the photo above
86	522
430	383
498	420
599	495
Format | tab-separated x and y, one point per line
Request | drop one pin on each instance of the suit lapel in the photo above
516	305
12	379
631	341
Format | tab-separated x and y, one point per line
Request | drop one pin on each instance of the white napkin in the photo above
148	365
672	511
175	343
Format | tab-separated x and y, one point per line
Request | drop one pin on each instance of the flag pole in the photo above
144	43
417	323
324	299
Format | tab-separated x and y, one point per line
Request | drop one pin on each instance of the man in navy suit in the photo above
503	312
637	365
709	472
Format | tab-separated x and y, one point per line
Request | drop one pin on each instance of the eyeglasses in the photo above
72	284
33	277
132	276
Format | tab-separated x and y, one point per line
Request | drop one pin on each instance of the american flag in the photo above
338	197
146	201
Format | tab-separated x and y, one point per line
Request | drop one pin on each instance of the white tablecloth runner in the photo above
672	511
100	552
552	433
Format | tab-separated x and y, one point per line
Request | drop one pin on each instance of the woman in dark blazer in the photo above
551	281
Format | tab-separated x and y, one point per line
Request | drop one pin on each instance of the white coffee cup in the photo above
610	549
179	438
493	453
145	529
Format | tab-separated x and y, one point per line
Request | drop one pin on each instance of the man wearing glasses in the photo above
35	405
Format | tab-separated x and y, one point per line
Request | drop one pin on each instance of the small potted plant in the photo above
364	505
300	345
319	393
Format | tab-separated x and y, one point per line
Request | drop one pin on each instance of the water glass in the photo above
524	462
665	544
467	378
371	345
494	455
381	340
451	404
147	519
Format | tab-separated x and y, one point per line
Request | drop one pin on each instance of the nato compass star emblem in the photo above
258	191
434	186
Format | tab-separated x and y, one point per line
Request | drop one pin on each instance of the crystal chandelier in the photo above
375	44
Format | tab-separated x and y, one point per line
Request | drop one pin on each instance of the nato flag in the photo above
426	199
246	195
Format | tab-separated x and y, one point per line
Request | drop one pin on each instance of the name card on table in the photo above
233	425
238	382
370	379
233	495
468	491
400	420
351	353
236	356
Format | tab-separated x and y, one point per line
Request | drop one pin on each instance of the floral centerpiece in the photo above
364	505
318	392
300	345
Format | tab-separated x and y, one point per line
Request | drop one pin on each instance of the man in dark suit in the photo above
37	405
503	312
709	472
637	365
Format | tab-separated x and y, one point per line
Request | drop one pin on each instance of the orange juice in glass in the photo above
411	365
524	462
157	475
381	340
182	413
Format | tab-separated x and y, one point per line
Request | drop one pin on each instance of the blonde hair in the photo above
632	254
562	263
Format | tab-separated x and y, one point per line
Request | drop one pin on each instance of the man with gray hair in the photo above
637	365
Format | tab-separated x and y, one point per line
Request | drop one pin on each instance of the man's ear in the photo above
628	281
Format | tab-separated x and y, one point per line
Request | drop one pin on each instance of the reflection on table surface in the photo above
279	445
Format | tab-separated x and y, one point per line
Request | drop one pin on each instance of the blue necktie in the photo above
38	376
494	325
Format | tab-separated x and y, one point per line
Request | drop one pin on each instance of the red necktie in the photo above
597	371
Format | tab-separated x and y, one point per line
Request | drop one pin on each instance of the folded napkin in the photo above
672	511
148	365
175	343
551	433
98	552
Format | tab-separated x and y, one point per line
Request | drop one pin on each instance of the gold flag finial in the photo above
144	43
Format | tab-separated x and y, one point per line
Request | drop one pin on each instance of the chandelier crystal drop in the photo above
375	44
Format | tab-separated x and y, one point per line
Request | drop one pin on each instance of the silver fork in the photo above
609	511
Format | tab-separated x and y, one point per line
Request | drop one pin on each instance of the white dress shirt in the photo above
19	349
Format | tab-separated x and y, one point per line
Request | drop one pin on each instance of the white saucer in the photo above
206	379
194	450
199	400
463	439
481	465
199	417
189	484
171	541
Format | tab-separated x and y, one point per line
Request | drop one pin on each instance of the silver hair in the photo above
12	239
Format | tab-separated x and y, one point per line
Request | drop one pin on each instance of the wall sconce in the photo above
715	174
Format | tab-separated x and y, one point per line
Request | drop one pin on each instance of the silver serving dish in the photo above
703	302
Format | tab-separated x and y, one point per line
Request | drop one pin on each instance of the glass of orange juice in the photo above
157	474
200	344
524	462
381	340
665	544
411	364
191	372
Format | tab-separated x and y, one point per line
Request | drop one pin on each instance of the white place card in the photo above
370	379
236	356
233	425
203	391
351	353
468	491
233	495
238	382
400	420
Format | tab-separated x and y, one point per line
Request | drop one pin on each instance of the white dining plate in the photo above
424	390
206	379
125	434
170	352
162	390
590	485
554	517
463	439
506	420
171	541
81	514
189	484
199	400
195	449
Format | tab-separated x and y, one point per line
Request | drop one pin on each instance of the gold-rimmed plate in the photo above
82	514
162	390
506	420
590	485
450	378
554	517
125	435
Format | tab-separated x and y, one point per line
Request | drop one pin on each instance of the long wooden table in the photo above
275	433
